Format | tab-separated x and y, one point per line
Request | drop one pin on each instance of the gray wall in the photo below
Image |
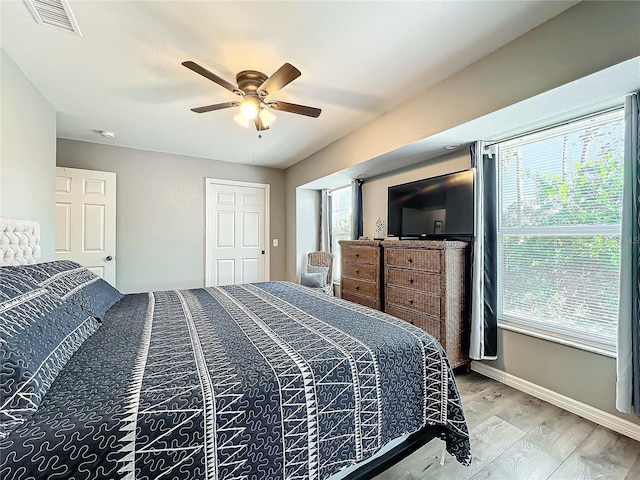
27	153
582	40
308	203
575	373
161	211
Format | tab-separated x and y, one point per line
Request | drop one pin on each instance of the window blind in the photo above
559	212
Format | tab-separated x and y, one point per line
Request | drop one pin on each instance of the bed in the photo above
259	381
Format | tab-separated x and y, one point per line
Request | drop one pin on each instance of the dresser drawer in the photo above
429	324
359	287
427	260
361	271
414	279
414	300
359	254
366	301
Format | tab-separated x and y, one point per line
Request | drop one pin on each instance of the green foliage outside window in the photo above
559	230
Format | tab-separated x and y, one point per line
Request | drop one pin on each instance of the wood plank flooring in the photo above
516	436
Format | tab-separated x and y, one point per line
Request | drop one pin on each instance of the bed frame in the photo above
20	245
379	464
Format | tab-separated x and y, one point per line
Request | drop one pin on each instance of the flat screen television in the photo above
437	208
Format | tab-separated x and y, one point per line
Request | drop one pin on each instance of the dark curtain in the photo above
628	351
356	222
635	255
484	297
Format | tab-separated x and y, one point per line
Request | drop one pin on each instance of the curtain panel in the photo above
356	202
325	221
484	322
628	345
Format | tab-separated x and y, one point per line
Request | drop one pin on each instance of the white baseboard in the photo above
617	424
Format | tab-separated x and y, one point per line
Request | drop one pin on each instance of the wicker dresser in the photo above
362	272
425	284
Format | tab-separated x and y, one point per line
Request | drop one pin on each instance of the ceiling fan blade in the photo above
286	74
211	76
217	106
293	108
259	125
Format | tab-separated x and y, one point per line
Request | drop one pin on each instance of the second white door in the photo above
237	232
86	219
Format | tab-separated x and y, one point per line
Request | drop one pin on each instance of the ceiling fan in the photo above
255	87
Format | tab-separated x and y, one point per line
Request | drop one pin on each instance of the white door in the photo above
237	232
86	219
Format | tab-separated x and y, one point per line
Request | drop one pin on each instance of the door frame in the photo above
266	188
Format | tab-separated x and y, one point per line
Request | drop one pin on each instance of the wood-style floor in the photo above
516	436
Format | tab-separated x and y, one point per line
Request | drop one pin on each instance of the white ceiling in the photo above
358	60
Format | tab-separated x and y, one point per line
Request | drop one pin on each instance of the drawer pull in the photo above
357	287
410	260
357	272
410	302
411	281
357	255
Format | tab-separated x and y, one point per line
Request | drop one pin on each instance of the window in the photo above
559	213
340	223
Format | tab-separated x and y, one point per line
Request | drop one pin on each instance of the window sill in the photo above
556	337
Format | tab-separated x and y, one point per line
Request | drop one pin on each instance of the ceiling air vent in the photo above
56	13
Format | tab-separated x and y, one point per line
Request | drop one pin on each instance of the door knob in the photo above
108	258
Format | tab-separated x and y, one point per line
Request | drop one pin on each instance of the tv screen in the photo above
433	207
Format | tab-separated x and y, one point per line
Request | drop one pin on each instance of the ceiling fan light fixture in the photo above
255	88
266	117
242	120
250	108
